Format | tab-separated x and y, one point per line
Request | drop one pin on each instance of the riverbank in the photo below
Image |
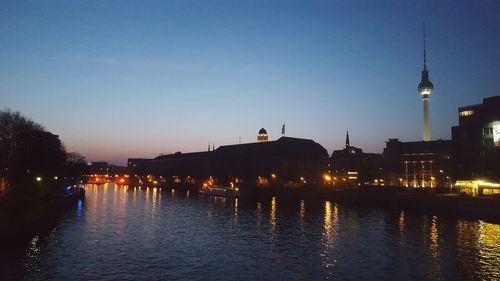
22	216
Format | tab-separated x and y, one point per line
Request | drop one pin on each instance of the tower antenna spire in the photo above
425	55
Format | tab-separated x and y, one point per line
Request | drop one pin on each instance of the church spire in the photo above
347	143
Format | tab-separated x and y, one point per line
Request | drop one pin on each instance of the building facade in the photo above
424	164
476	141
351	166
286	160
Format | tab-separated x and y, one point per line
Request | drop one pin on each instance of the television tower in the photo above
425	88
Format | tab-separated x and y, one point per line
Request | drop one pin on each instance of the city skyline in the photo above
161	77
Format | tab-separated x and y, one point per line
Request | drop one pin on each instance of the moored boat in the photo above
220	191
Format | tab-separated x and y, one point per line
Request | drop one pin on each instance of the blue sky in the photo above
119	79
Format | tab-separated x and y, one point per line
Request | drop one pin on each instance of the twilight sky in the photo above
119	79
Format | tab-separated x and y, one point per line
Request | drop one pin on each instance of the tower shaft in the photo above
426	129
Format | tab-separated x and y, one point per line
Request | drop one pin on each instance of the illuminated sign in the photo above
496	134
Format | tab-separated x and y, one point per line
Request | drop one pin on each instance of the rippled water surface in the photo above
125	233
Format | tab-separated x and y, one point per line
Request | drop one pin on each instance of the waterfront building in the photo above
351	166
284	161
476	141
137	166
425	88
104	168
424	164
262	135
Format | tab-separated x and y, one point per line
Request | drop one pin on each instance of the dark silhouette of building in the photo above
476	141
282	161
352	166
418	164
102	168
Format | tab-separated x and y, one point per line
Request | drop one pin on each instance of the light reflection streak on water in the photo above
146	209
329	234
79	208
219	200
401	222
159	198
187	194
402	225
32	256
134	196
236	207
272	215
154	202
104	198
94	196
259	213
434	236
302	212
489	248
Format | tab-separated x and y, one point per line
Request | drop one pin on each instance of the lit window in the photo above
466	113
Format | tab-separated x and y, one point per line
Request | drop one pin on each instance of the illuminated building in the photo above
355	166
477	187
425	88
262	135
424	164
476	141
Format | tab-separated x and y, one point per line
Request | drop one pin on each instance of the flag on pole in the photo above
283	129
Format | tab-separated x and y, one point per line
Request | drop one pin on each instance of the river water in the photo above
125	233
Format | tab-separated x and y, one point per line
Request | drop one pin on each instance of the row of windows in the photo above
466	113
488	131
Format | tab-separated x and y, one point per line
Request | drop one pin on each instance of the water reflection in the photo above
330	224
434	236
259	214
330	228
402	221
236	207
223	238
272	216
79	208
154	208
302	212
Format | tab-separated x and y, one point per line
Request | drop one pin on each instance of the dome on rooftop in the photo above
262	131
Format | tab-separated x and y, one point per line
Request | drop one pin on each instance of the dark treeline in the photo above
35	169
